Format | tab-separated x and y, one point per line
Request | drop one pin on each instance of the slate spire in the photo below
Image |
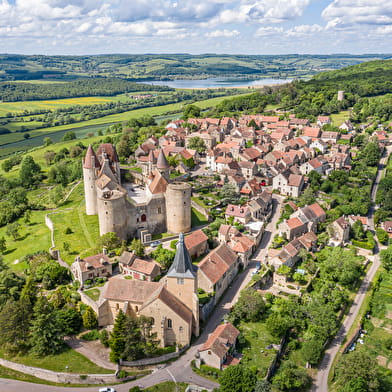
182	266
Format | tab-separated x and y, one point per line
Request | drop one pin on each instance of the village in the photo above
269	224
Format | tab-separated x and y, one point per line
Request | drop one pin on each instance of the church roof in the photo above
171	301
162	162
182	266
90	158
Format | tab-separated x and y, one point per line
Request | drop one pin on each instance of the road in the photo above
179	370
321	382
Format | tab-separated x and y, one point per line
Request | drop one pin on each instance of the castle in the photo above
157	206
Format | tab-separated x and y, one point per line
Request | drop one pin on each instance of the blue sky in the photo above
195	26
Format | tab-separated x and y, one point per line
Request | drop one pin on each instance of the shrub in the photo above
91	335
104	338
68	230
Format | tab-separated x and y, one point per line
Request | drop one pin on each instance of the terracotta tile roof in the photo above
308	239
237	211
194	239
293	223
342	222
129	290
242	244
217	262
317	210
312	132
146	267
224	229
323	119
220	341
90	158
95	261
158	184
295	180
108	149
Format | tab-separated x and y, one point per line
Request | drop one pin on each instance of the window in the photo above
143	218
136	308
159	210
180	281
169	323
180	328
117	306
209	352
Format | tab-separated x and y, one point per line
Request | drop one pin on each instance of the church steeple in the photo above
181	281
182	266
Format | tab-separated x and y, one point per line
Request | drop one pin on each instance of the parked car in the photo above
107	389
154	244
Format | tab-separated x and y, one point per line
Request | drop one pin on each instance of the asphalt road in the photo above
321	382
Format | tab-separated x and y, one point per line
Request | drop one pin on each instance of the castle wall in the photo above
178	207
90	191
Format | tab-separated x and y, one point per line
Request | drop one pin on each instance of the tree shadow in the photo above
9	251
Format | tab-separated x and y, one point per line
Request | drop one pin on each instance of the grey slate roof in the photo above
182	266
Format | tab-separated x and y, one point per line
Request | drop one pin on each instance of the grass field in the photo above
339	118
255	353
69	361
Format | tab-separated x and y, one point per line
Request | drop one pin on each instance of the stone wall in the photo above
153	361
200	209
65	378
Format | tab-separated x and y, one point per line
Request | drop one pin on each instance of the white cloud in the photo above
304	30
346	13
222	33
268	31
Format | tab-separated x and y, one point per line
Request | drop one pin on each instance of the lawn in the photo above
168	386
255	353
93	294
197	218
68	361
85	228
33	237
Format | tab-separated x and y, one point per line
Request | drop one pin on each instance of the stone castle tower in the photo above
181	281
178	202
163	207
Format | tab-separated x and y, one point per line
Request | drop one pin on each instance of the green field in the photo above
339	118
47	105
14	142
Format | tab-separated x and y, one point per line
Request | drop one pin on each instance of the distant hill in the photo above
173	66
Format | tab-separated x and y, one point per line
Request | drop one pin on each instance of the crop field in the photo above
52	104
14	142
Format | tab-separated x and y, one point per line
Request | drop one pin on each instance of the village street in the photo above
180	370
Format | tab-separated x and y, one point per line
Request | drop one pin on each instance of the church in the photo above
172	302
130	210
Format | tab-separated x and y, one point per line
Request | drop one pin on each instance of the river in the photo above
215	83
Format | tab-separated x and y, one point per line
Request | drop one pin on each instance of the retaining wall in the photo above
63	378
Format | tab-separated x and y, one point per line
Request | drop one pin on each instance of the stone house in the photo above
288	184
313	165
248	169
96	266
311	215
292	228
216	351
241	214
217	270
339	230
196	243
387	226
261	206
138	268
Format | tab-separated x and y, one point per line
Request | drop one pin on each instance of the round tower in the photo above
178	207
112	212
90	167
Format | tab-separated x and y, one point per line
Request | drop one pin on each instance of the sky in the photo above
195	26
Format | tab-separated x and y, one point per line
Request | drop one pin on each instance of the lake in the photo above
215	83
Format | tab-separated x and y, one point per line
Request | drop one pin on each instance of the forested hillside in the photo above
173	66
319	94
